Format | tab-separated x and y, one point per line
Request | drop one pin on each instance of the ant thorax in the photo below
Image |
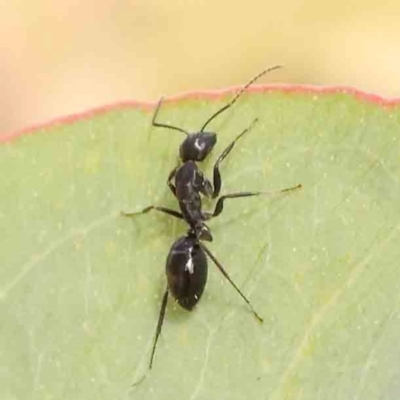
189	179
190	184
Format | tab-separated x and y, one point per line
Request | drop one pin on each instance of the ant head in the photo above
202	232
197	146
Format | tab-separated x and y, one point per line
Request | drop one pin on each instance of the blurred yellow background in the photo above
59	57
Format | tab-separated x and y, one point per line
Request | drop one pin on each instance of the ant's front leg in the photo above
169	181
217	181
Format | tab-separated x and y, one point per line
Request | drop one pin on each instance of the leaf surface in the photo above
81	286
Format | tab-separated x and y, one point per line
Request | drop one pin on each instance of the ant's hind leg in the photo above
160	322
217	182
225	274
159	326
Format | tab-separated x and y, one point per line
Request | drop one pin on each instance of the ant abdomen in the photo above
186	270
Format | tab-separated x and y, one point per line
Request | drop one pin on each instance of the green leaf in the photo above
80	285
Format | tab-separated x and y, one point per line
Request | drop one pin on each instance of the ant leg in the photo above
216	174
164	210
216	262
161	316
169	181
159	125
159	325
220	203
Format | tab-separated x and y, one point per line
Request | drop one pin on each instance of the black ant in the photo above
186	265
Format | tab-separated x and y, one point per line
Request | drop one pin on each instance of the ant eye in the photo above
203	144
199	145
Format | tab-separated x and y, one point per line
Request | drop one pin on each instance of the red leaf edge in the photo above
208	95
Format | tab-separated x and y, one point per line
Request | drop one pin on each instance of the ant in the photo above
186	265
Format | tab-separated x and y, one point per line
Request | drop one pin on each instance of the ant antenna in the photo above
243	89
157	124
